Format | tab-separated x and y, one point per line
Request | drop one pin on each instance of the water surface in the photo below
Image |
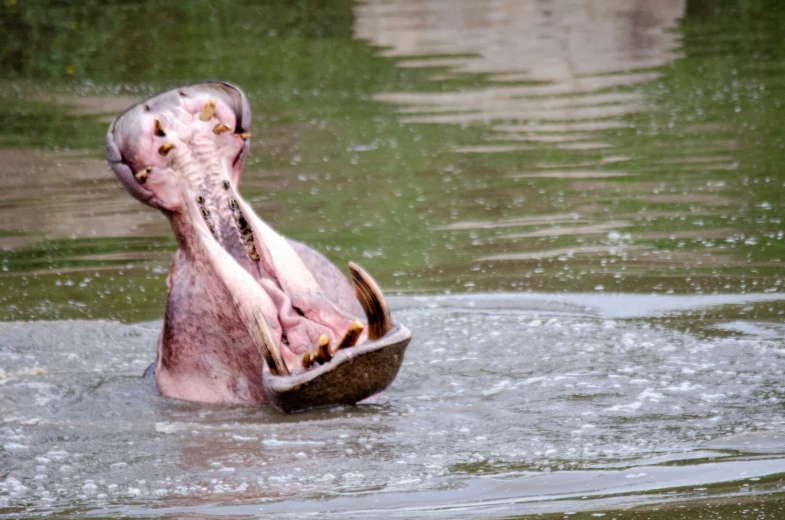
579	207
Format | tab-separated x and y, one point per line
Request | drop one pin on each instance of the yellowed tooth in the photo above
165	148
142	174
221	128
208	110
323	354
351	336
159	130
265	342
372	301
244	136
307	362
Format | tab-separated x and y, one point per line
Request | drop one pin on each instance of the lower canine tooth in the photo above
265	342
351	336
323	353
372	301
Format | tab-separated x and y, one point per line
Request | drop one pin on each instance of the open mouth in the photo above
241	293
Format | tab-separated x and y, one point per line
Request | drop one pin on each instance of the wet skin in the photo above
251	317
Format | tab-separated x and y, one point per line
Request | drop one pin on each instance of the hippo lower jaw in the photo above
239	292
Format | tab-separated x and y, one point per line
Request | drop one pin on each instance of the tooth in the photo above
221	128
208	110
142	174
165	149
372	301
351	336
159	130
244	136
307	362
323	354
265	342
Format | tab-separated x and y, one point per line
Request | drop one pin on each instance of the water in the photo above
579	207
527	399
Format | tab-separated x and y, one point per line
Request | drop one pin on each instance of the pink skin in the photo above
206	351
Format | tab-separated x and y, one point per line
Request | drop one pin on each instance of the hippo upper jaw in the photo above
239	293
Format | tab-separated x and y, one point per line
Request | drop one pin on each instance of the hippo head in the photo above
251	317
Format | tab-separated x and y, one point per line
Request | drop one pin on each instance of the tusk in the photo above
208	110
372	301
351	336
266	344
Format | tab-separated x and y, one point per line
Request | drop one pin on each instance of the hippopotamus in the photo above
251	317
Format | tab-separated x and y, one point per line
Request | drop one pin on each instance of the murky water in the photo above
510	402
600	180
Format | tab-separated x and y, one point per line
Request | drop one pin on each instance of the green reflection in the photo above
699	208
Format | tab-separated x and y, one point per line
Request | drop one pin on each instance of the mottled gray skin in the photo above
183	152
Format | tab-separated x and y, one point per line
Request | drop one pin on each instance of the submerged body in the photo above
241	296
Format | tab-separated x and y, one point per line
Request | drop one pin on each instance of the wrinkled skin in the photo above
183	152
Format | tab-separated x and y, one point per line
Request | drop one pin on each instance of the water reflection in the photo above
573	70
587	109
565	60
